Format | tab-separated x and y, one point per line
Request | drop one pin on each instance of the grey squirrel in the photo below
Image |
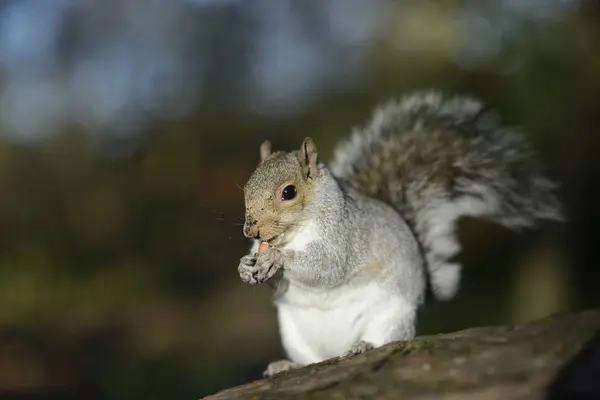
357	241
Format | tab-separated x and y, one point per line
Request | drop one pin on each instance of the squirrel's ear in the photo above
265	150
308	158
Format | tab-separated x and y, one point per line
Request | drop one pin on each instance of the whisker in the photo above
220	217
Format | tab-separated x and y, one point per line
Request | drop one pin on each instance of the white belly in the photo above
319	325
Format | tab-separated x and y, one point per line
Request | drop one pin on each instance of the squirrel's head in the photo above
279	190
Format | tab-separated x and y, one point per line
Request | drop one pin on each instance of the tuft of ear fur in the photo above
309	157
265	150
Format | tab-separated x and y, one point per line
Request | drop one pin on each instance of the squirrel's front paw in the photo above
267	264
260	269
247	269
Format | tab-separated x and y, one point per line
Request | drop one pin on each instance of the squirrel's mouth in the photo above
275	240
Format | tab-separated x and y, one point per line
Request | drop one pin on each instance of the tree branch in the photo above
501	362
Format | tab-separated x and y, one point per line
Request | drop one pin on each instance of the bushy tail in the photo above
435	159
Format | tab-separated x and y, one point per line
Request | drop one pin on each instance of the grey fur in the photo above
353	247
353	230
361	241
436	158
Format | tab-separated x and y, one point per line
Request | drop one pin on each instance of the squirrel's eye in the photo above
288	193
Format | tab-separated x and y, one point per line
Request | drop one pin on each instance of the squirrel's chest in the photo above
316	326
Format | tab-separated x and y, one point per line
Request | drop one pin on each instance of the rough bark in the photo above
504	362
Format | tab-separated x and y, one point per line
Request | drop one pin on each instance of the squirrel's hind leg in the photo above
393	322
359	347
277	367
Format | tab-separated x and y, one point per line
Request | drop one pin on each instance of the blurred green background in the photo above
129	126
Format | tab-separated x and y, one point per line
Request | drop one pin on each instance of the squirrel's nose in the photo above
250	231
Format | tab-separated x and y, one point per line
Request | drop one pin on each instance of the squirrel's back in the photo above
436	158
